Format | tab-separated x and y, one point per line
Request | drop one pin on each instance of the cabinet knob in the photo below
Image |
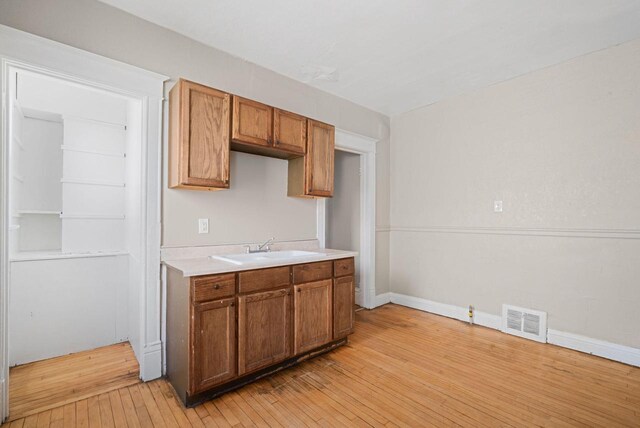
216	287
277	142
298	290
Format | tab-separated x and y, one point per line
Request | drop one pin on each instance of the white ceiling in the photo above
394	56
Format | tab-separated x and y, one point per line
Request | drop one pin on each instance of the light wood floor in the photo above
402	368
44	385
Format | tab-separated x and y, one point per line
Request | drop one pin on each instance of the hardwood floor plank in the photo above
82	414
69	415
167	415
106	414
93	406
150	405
129	408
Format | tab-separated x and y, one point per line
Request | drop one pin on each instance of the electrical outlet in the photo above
497	206
203	225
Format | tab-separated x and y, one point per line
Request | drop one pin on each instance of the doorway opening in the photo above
343	209
74	230
347	221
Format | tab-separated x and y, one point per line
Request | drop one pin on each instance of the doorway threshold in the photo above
54	382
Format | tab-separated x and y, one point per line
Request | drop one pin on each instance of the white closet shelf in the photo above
41	115
96	121
27	256
93	152
38	212
93	216
93	182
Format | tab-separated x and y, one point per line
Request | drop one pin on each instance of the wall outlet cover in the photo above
203	225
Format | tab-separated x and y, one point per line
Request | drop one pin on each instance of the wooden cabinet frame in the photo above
195	154
225	345
280	334
236	125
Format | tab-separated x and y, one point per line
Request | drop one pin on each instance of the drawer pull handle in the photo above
216	287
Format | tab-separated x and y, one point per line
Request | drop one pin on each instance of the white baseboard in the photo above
611	351
382	299
151	364
450	311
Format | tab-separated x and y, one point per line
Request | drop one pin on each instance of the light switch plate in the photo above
497	206
203	225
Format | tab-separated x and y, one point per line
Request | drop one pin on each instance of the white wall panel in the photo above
81	235
63	306
88	135
91	199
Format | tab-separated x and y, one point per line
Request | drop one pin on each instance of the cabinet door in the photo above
289	131
213	351
251	122
199	136
312	315
319	159
264	329
343	309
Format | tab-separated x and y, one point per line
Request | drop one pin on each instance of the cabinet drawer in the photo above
343	267
213	287
312	272
263	279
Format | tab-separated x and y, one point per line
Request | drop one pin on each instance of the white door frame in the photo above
366	148
20	50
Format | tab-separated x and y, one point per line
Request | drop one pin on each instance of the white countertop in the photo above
207	266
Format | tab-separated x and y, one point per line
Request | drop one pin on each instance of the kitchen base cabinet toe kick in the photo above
227	330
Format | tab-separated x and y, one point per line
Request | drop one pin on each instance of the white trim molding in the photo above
450	311
520	231
382	299
366	148
600	348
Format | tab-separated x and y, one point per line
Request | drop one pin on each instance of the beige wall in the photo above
343	210
561	148
98	28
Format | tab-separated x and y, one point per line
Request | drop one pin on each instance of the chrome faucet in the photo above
264	248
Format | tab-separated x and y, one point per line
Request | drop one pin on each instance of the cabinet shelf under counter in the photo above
226	330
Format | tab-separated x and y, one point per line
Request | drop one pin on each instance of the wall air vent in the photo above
526	323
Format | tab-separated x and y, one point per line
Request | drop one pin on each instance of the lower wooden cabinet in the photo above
226	330
264	329
312	315
214	343
343	306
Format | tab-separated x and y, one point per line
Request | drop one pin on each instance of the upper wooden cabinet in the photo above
289	132
312	176
204	124
251	122
199	119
